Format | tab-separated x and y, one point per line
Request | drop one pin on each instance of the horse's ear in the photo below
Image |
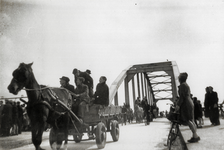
30	64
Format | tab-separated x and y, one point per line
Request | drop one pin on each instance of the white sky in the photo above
107	36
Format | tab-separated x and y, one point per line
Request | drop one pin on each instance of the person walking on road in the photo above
213	106
185	106
206	104
197	113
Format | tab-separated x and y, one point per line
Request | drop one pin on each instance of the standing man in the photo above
213	106
87	79
146	109
15	118
7	117
20	118
102	92
206	103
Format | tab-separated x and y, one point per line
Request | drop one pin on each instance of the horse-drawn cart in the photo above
97	121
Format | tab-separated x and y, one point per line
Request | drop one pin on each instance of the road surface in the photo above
132	137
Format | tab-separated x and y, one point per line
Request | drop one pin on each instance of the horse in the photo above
41	106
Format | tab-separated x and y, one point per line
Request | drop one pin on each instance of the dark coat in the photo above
206	104
88	79
197	110
7	115
83	91
20	112
213	107
70	87
102	94
186	103
14	114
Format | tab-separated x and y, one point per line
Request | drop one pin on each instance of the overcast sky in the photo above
107	36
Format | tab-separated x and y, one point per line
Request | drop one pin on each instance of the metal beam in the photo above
116	99
162	90
133	89
161	83
142	85
126	90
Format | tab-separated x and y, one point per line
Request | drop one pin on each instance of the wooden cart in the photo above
97	121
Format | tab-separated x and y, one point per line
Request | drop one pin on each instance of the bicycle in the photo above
174	130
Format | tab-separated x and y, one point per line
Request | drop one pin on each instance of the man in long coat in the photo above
213	106
102	92
206	104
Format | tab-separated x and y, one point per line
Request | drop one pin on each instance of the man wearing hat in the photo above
64	81
88	79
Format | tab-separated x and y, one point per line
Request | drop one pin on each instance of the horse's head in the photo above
20	78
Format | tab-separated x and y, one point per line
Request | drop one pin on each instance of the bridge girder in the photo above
150	72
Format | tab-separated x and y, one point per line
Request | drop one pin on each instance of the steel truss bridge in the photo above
155	81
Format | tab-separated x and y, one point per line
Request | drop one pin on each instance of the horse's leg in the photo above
37	132
38	127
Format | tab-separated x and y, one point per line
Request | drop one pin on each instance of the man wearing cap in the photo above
64	81
82	98
88	79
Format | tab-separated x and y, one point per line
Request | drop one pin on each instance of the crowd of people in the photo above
13	118
190	108
83	92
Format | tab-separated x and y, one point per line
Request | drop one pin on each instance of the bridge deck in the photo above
211	136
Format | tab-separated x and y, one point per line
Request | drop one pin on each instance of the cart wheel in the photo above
101	135
77	138
52	136
115	131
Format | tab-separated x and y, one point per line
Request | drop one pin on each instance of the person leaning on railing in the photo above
185	106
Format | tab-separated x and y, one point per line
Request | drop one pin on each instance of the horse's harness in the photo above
41	101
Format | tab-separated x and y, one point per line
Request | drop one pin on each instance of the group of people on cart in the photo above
83	92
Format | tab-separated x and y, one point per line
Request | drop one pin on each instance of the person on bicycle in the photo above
185	106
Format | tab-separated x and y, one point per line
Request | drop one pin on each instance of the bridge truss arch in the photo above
155	81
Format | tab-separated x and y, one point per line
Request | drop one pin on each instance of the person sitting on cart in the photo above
64	81
102	92
82	98
88	79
